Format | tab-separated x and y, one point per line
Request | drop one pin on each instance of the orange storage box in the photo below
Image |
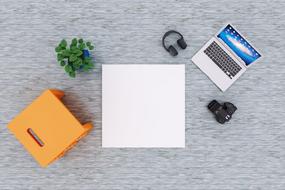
47	129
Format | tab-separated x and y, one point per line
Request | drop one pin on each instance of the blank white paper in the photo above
143	105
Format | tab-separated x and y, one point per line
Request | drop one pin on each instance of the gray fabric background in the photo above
247	153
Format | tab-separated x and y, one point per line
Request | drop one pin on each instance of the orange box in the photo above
47	129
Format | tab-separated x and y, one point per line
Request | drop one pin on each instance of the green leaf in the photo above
72	57
78	52
88	59
57	49
73	48
66	53
80	41
89	45
60	57
79	61
68	68
62	63
76	65
90	65
63	43
74	41
72	74
81	46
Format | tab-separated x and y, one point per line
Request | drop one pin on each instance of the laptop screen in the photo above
239	45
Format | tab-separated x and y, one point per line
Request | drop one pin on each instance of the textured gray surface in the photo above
247	153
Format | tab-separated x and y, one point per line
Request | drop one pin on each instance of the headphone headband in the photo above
167	34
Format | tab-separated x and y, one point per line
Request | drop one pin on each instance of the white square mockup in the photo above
143	105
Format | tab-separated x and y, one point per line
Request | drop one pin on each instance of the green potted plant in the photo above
74	57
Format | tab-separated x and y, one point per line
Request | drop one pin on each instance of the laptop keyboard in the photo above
222	59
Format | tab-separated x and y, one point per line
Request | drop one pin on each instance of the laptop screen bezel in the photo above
230	49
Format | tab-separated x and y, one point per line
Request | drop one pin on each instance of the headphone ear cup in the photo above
172	51
181	42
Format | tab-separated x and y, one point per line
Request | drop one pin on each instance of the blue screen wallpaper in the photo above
239	45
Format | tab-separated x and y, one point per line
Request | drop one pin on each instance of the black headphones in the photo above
181	43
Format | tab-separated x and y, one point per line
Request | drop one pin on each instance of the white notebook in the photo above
143	105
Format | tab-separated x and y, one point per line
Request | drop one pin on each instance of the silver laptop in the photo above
226	57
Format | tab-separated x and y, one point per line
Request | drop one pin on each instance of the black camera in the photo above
224	112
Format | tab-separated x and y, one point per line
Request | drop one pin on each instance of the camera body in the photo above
223	112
